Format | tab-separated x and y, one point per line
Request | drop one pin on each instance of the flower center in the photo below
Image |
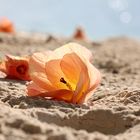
21	69
62	80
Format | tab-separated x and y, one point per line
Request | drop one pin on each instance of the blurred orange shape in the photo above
6	25
80	34
15	67
66	74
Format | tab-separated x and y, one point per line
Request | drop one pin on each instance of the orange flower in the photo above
6	25
64	74
80	34
15	67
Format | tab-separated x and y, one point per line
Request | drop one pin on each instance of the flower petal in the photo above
70	65
2	74
61	94
54	74
77	73
95	78
37	61
35	90
71	48
2	67
82	87
42	81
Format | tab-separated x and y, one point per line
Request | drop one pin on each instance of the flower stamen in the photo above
62	80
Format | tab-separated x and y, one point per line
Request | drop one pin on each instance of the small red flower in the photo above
6	25
15	67
80	34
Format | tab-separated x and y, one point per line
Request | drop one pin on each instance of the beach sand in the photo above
113	112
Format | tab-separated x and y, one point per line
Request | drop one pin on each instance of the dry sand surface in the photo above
113	112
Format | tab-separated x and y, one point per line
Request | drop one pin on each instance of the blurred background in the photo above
100	18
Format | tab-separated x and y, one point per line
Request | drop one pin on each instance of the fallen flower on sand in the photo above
80	34
15	67
6	25
64	74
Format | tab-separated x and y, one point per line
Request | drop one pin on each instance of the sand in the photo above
113	112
